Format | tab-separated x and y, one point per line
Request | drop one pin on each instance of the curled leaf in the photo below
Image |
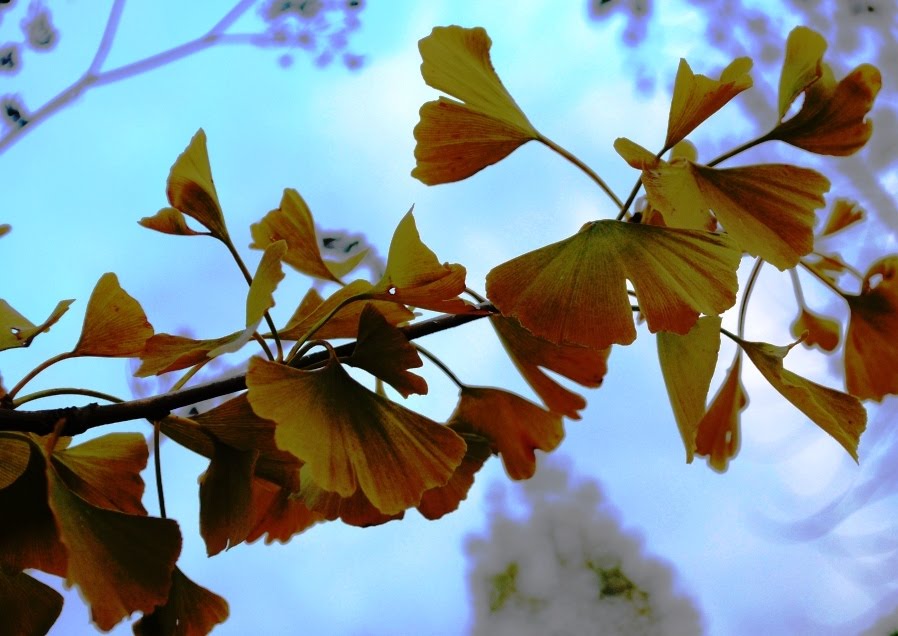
260	297
718	436
191	190
191	610
17	331
169	221
816	331
802	66
114	323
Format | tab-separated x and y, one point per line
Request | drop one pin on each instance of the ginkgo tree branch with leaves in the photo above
301	440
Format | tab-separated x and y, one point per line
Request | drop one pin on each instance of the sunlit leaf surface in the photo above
114	323
191	189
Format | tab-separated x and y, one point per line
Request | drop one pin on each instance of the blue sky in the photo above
75	186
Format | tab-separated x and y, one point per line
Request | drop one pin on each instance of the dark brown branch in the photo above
79	419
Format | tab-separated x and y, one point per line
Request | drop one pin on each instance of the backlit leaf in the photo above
817	331
697	97
164	353
687	364
440	501
191	610
15	452
843	214
191	189
277	514
169	221
802	66
114	323
260	297
719	436
355	510
455	139
18	331
871	343
574	291
531	354
28	607
351	438
514	426
839	414
226	498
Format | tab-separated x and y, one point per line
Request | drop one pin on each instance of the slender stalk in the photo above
796	288
586	169
749	286
630	198
157	467
39	395
445	369
739	149
35	371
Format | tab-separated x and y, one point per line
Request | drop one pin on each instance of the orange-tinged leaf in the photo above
27	605
164	353
827	266
697	97
191	610
514	426
455	140
383	351
354	510
15	452
170	221
844	214
839	414
226	498
278	515
531	354
718	436
106	471
802	66
440	501
415	277
260	297
351	438
114	323
871	344
18	331
191	189
574	291
816	331
687	364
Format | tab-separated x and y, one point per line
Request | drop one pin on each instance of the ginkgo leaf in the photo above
687	364
871	345
574	291
351	438
354	510
191	190
844	214
440	501
105	471
816	331
826	266
292	222
27	605
164	352
5	229
531	354
226	498
839	414
18	331
170	221
415	277
278	515
114	323
383	351
697	97
260	297
456	139
768	209
191	610
803	65
15	452
718	436
514	426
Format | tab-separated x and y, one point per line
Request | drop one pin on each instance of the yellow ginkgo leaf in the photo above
15	452
768	209
169	221
226	498
351	438
27	605
17	331
114	323
844	214
457	139
826	266
440	501
532	354
575	292
278	514
697	97
839	414
687	364
5	229
383	351
816	331
292	222
164	352
718	435
414	276
355	510
803	65
191	189
260	297
871	343
514	426
190	610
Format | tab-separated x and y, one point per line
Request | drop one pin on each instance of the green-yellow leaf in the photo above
114	323
18	331
191	189
27	606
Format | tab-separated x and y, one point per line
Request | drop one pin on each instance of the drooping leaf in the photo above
164	352
278	514
226	498
170	221
383	351
687	364
697	97
839	414
574	291
514	426
354	510
292	222
15	452
843	214
440	501
18	331
718	436
531	354
455	139
191	190
260	297
114	323
871	343
768	209
351	438
27	606
803	65
191	610
816	331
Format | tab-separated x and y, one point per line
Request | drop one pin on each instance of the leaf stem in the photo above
586	169
749	286
445	369
735	151
157	467
35	371
39	395
796	288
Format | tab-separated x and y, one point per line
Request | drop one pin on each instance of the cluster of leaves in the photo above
307	441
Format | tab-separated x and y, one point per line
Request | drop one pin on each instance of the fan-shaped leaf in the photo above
18	331
440	501
278	514
260	297
27	605
816	331
169	221
191	189
164	353
354	510
15	452
802	67
226	498
191	610
114	323
843	214
718	436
